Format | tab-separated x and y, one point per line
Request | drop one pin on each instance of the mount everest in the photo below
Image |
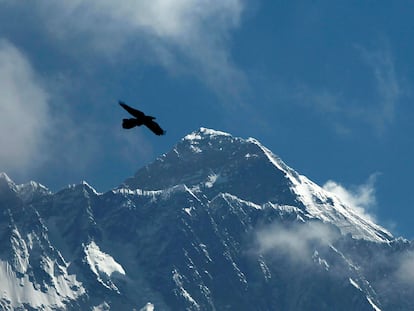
217	223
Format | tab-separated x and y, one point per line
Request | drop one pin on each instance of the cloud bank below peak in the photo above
298	242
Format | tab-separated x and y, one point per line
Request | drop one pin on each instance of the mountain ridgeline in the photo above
217	223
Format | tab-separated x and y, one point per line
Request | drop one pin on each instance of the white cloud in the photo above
36	133
24	115
298	241
182	35
174	19
405	271
361	198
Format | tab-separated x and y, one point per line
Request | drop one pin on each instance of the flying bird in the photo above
140	119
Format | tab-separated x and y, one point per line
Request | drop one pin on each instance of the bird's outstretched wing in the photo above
135	112
154	127
130	123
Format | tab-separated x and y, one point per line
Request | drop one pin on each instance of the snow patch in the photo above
102	265
250	155
20	259
178	280
211	132
195	149
354	284
18	290
148	307
211	180
229	197
316	258
265	269
376	308
192	136
204	249
198	135
90	187
26	191
137	192
4	176
104	306
188	210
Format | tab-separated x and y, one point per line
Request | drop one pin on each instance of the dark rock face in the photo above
218	223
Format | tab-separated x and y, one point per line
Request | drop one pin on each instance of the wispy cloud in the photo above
323	102
405	270
361	198
24	111
387	85
344	111
298	241
182	35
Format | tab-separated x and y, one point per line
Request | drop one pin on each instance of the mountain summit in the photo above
213	162
217	223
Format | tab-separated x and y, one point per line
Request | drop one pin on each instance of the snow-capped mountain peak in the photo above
219	222
214	162
203	133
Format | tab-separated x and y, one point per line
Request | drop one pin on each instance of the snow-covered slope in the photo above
217	223
32	271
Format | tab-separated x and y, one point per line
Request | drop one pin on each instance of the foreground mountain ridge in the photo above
217	223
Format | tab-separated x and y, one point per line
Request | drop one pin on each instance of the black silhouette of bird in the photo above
140	119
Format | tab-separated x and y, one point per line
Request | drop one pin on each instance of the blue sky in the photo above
326	85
